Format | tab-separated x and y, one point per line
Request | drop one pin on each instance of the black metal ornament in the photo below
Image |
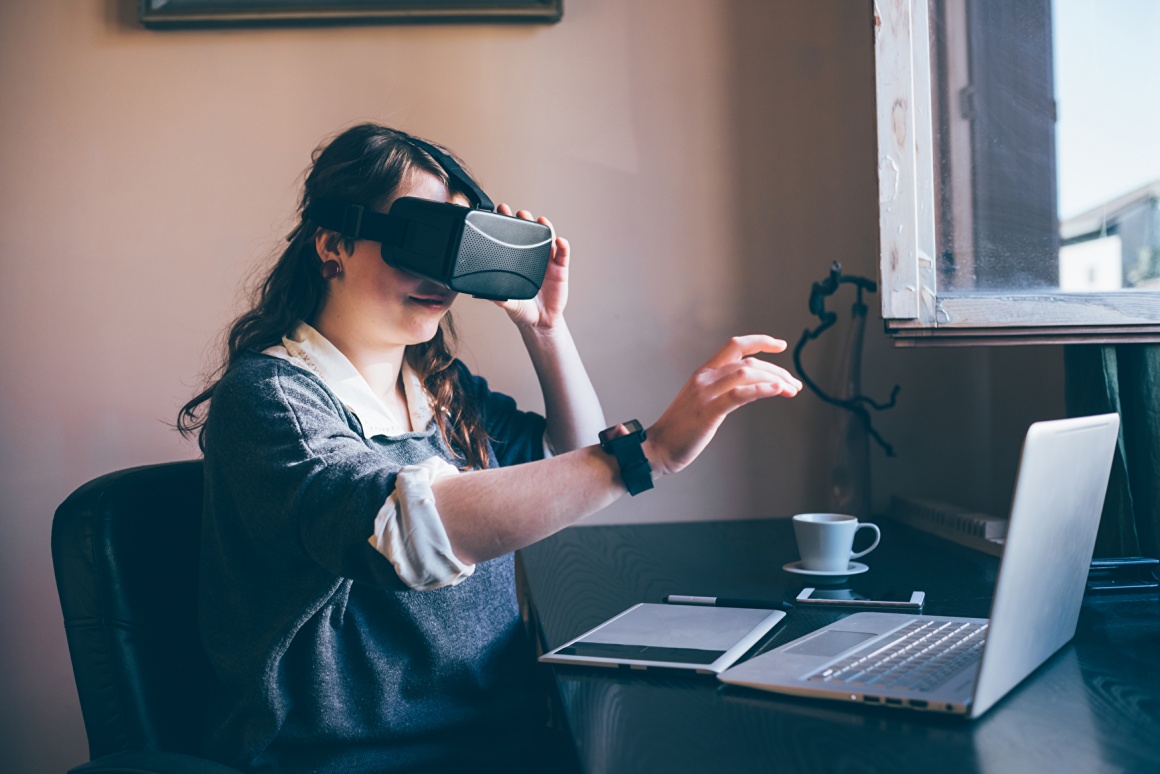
858	404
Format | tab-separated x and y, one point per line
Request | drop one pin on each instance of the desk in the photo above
1093	707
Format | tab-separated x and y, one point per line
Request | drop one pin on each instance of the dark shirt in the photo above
326	660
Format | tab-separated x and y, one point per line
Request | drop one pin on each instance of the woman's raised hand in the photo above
547	308
729	380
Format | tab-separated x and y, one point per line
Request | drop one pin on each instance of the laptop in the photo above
963	666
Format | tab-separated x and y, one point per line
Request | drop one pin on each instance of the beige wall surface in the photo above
707	158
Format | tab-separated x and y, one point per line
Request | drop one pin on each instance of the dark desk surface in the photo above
1093	707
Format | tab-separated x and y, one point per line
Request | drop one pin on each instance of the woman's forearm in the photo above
571	405
488	513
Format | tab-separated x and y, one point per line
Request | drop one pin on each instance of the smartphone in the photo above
1122	573
890	600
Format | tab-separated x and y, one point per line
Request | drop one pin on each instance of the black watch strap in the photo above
635	470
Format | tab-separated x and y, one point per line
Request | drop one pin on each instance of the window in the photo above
1019	170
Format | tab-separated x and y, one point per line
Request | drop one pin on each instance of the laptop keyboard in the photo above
918	657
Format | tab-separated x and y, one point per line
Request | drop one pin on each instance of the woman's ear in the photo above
329	245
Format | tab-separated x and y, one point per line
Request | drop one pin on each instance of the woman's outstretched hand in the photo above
729	380
547	309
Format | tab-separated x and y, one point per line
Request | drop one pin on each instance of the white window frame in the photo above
913	308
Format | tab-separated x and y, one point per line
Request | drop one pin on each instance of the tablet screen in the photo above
641	652
689	636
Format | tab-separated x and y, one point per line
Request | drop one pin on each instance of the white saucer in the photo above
854	568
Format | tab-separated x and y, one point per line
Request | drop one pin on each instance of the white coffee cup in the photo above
826	540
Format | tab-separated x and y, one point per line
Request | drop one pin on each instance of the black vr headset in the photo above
470	250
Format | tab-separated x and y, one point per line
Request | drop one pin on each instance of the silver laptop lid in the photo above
1059	495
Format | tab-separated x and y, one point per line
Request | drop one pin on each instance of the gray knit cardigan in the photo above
325	660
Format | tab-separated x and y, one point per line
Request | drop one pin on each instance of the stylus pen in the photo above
759	604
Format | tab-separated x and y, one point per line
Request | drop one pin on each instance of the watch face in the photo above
633	427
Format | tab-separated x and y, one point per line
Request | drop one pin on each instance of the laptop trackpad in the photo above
830	643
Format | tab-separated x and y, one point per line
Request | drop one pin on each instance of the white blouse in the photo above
408	530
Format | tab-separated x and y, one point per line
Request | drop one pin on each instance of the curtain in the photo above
1123	378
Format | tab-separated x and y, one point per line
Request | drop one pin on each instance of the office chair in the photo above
125	551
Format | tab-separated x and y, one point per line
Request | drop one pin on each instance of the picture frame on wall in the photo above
213	13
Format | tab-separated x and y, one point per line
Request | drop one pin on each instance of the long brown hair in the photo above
363	165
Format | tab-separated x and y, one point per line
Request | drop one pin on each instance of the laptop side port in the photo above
918	703
897	702
873	699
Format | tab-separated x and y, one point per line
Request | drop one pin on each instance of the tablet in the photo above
704	639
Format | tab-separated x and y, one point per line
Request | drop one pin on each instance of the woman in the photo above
365	492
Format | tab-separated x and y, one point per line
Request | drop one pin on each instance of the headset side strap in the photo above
356	222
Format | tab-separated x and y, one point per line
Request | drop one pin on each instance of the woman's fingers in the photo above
504	209
728	381
751	370
741	394
561	250
511	305
714	381
738	386
742	346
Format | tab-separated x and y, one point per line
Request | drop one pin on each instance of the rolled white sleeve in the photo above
410	533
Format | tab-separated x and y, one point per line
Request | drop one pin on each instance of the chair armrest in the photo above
151	762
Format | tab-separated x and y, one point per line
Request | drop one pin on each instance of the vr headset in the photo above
471	250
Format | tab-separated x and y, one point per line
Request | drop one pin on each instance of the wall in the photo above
708	159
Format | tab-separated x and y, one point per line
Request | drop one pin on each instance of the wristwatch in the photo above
634	468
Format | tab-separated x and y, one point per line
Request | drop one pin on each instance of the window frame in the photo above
914	311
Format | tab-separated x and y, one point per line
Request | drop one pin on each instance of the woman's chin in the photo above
423	334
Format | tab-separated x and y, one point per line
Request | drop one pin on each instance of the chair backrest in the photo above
125	551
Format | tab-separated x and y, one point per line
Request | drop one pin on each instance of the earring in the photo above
331	269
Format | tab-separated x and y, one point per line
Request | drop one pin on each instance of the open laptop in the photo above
964	665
